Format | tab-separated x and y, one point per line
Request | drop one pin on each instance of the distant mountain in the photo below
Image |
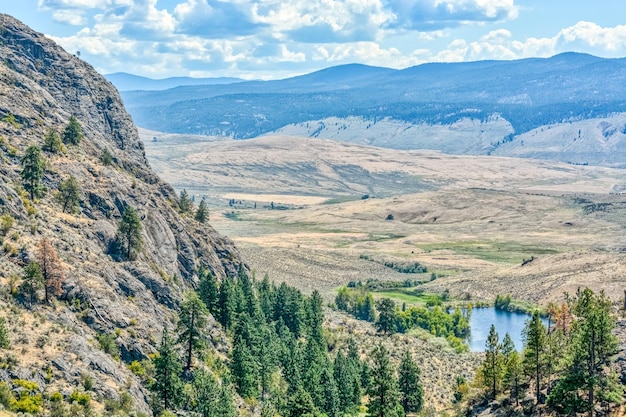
519	96
128	82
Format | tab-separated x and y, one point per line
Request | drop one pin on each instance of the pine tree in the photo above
369	312
184	202
73	132
208	290
32	280
225	405
267	356
244	369
191	322
206	393
227	303
129	232
51	269
411	391
535	342
588	379
32	171
513	374
266	293
68	195
513	370
202	214
166	386
347	376
52	142
300	404
330	404
316	318
492	368
383	392
387	315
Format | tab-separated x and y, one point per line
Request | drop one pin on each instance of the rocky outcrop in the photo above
41	86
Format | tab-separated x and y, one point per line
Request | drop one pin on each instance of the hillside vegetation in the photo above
71	166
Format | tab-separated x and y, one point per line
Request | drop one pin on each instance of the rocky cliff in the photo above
55	345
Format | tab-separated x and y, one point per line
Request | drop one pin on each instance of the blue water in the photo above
505	321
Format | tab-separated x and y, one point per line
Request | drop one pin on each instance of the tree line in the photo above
565	365
388	318
279	358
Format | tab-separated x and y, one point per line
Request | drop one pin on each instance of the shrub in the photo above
107	157
6	223
81	398
29	401
107	344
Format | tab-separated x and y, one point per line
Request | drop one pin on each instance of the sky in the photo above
273	39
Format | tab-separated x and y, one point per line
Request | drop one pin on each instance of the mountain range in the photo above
126	82
459	108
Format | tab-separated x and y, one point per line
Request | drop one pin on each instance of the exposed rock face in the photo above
41	86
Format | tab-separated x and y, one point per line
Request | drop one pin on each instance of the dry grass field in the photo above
472	221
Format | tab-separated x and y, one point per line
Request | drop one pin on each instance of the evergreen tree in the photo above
267	356
300	405
32	280
225	405
202	214
184	202
32	171
316	319
52	142
73	132
5	343
512	367
244	369
366	376
288	306
206	394
383	392
208	290
52	271
68	195
535	342
492	368
227	303
316	362
266	292
330	404
588	378
387	315
191	322
513	374
129	232
347	377
166	386
368	311
411	391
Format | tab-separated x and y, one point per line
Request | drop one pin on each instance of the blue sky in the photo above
272	39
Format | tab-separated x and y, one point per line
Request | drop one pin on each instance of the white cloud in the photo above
439	14
591	35
69	17
582	37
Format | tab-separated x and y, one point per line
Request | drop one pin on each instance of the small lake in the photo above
505	321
